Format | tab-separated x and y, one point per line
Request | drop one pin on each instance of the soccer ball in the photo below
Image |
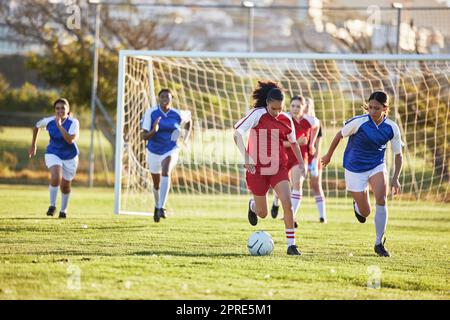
260	243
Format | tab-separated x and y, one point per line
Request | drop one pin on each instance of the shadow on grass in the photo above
189	254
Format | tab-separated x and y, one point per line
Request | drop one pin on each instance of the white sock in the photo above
53	194
296	198
320	202
275	200
381	217
290	237
252	205
64	201
156	196
164	187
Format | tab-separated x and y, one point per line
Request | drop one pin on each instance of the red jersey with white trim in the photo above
302	129
267	133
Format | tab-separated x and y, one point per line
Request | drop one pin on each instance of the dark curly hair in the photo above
266	91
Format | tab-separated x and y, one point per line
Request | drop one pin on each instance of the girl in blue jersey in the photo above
61	156
162	126
364	161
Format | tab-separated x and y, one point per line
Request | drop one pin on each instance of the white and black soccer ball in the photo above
260	243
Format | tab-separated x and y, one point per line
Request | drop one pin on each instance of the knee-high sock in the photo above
64	201
156	196
53	194
290	237
320	202
296	198
381	217
164	187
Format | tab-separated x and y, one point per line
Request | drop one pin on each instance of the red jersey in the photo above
302	128
267	133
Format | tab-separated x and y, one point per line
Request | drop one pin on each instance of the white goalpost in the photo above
216	88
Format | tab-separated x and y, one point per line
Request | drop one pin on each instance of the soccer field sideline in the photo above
200	252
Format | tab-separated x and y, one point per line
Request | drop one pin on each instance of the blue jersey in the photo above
58	146
367	142
165	139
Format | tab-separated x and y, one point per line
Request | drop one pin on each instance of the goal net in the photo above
216	88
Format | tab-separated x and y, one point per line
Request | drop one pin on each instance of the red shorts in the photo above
292	159
259	184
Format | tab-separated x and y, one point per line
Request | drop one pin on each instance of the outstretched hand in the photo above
31	151
395	187
325	160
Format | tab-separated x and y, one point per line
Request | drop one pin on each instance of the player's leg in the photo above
357	183
361	205
69	170
378	183
55	180
54	165
258	185
297	192
167	166
275	205
65	194
316	185
154	165
283	190
259	205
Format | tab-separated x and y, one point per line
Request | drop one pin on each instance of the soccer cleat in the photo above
360	218
156	215
322	220
62	215
51	211
252	217
293	250
274	211
162	213
380	250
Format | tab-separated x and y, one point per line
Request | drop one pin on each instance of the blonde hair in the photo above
311	111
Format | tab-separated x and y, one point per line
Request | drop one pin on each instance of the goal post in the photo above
216	88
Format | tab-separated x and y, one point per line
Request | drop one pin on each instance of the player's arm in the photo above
188	127
395	184
32	150
69	138
239	141
147	135
397	145
312	139
327	157
318	146
295	147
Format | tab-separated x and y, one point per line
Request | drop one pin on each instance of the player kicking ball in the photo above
364	162
265	157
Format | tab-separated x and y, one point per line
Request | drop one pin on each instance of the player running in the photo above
266	158
364	161
162	126
305	136
314	165
61	156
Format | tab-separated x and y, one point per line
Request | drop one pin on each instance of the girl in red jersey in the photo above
265	158
314	165
305	128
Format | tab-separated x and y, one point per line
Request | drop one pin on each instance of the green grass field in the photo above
200	251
